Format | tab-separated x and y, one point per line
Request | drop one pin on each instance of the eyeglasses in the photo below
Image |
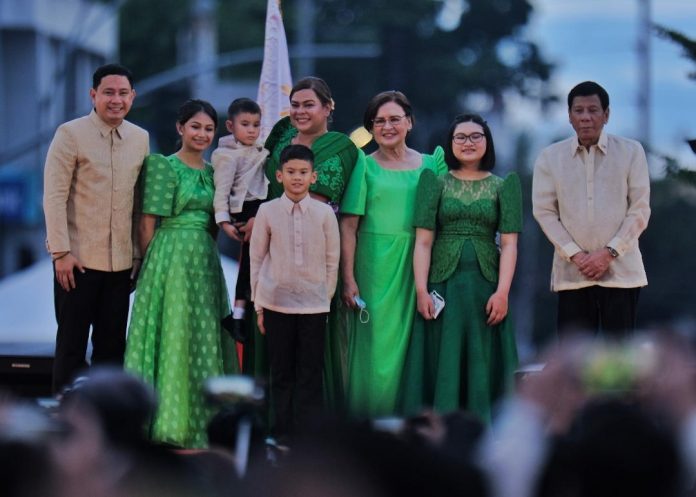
380	122
473	137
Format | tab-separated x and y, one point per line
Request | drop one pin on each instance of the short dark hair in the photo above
240	105
587	89
382	98
488	159
192	107
319	87
296	152
108	70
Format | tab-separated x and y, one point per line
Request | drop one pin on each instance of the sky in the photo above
596	40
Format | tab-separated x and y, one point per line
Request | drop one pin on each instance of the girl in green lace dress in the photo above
175	340
465	358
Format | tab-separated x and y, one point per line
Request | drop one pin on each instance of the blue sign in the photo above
13	199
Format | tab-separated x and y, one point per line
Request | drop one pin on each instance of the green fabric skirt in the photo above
378	347
175	340
457	361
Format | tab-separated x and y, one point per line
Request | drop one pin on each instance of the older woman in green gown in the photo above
377	239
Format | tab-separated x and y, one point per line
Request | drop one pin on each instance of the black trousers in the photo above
296	353
242	289
100	300
595	309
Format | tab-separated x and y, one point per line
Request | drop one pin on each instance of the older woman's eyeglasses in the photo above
380	122
461	138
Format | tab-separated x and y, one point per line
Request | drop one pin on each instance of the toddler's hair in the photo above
240	105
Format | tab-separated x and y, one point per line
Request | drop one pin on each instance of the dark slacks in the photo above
296	353
100	300
594	309
243	287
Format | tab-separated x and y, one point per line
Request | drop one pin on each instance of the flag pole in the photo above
275	82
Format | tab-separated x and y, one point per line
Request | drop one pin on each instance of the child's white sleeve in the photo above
223	175
258	248
333	251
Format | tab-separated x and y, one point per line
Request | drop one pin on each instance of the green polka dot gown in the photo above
175	341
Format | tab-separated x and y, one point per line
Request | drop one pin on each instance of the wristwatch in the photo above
613	252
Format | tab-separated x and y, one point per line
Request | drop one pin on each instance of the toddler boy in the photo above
240	187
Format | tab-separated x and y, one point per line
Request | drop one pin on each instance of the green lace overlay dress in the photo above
457	361
385	199
175	340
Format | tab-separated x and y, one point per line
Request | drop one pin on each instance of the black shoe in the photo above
236	328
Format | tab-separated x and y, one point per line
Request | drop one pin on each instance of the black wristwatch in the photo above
613	252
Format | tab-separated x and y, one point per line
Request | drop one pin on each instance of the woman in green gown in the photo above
377	239
175	340
336	156
465	357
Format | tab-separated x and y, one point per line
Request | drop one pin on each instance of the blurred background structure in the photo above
511	60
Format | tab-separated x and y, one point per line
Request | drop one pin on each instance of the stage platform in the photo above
28	327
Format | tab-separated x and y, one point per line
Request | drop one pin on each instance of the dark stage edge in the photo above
26	368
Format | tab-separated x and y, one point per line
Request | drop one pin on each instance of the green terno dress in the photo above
175	340
457	361
385	200
335	157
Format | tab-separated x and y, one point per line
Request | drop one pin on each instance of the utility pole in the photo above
644	72
204	47
306	34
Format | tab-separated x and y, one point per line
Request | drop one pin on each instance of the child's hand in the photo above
496	308
246	229
259	322
231	231
424	304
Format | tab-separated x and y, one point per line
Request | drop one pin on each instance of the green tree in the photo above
688	46
483	51
148	33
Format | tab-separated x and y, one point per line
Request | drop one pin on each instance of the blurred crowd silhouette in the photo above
593	419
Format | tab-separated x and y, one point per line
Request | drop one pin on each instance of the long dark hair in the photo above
189	109
192	107
488	160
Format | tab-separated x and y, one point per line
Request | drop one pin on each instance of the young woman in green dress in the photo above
335	158
175	339
464	358
377	239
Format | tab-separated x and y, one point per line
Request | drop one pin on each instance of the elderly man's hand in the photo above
596	263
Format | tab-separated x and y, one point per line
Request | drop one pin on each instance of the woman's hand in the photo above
350	290
135	271
425	305
231	230
496	308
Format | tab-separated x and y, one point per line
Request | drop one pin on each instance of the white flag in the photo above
275	82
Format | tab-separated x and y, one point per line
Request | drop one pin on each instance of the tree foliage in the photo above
483	51
688	45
